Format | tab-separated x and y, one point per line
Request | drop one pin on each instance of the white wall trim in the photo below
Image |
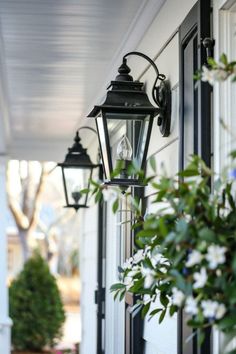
222	104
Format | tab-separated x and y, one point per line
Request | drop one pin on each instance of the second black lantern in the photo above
128	113
77	173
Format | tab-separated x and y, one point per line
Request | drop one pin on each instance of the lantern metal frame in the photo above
125	96
77	158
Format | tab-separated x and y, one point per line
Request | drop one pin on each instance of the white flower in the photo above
148	281
148	298
147	252
128	263
200	278
220	311
195	257
207	75
148	275
215	255
209	308
155	259
213	309
214	75
163	270
177	297
220	74
191	306
138	257
128	282
133	271
109	194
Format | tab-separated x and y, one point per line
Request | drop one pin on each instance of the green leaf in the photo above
224	59
162	316
98	196
200	338
195	324
145	309
164	299
233	154
95	184
117	286
227	322
146	233
116	294
180	281
211	62
173	310
120	270
154	312
152	161
207	234
115	206
85	191
122	295
189	173
181	226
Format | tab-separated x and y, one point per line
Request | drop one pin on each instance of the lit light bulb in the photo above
76	195
124	150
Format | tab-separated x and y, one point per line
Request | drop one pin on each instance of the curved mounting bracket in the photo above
161	95
94	131
88	128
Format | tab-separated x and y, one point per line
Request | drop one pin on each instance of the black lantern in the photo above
128	114
77	172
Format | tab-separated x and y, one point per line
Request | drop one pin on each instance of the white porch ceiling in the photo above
56	56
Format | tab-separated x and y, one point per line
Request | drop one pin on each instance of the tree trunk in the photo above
24	244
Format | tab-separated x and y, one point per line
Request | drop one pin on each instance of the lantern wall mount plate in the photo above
128	109
77	170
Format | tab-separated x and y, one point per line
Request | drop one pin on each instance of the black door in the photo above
195	121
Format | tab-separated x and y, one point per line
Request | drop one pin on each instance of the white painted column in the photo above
5	321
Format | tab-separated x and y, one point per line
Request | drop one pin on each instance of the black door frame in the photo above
195	28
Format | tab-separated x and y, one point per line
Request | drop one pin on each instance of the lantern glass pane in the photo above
76	179
128	137
104	145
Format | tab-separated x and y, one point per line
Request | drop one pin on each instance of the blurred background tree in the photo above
35	307
25	182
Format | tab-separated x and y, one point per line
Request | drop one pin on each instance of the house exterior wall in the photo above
87	226
5	322
153	43
165	150
15	257
88	241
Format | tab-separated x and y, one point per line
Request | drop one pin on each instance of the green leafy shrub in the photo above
35	307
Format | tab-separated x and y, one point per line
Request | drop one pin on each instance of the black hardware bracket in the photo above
161	95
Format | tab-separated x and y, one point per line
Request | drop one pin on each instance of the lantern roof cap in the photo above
77	156
125	95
